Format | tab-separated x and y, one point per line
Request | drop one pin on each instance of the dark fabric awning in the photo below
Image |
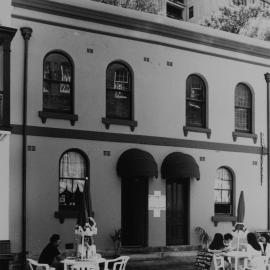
179	165
135	163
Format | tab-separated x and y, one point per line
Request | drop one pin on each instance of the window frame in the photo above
203	127
62	213
108	120
45	114
251	132
223	217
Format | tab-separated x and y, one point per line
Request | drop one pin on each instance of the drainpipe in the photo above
26	33
267	79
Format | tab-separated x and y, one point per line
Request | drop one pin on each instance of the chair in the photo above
34	265
218	262
118	263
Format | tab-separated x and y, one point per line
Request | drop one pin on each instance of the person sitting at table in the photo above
51	255
217	247
264	240
254	252
227	242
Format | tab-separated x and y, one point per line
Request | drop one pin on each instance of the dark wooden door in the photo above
134	211
177	192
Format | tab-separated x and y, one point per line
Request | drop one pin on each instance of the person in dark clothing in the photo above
50	254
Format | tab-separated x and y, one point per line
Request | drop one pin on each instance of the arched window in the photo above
224	192
119	92
195	102
57	83
73	177
243	108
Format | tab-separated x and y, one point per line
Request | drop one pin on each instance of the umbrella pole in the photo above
82	246
238	241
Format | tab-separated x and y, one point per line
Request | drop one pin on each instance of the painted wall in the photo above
159	110
5	13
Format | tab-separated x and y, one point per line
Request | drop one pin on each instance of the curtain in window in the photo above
72	172
223	191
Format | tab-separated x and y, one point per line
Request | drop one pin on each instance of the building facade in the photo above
162	124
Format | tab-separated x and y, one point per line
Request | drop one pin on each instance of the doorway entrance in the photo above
134	211
177	207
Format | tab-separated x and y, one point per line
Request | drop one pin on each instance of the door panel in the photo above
134	211
177	191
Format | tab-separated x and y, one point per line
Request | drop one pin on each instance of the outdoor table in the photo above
95	261
236	255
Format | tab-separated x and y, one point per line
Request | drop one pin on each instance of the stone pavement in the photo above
183	260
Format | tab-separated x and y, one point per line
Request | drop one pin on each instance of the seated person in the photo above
51	255
227	241
217	247
254	250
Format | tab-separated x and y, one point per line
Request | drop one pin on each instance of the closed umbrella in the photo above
239	226
84	216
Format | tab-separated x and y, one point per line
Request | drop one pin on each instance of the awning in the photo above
179	165
136	163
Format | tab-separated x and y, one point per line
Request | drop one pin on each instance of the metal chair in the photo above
34	265
118	263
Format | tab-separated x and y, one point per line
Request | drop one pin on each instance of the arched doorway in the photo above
177	168
135	167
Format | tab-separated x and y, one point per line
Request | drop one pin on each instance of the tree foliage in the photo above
149	6
252	21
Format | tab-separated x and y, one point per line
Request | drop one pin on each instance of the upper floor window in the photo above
195	102
243	108
118	91
57	83
224	192
73	177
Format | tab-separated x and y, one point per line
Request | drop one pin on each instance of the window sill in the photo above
62	214
111	121
236	134
223	218
187	129
44	115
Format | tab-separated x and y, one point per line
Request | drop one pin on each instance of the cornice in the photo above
143	25
7	33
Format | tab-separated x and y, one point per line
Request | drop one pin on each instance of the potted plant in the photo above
204	237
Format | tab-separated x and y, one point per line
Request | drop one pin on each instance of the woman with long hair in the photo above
254	251
217	243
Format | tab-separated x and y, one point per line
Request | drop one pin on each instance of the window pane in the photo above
73	174
223	191
242	119
72	165
57	84
243	110
194	113
218	196
118	93
195	101
226	196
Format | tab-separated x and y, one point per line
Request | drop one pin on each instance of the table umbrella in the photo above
84	216
239	226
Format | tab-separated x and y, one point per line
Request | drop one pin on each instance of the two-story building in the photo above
163	122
